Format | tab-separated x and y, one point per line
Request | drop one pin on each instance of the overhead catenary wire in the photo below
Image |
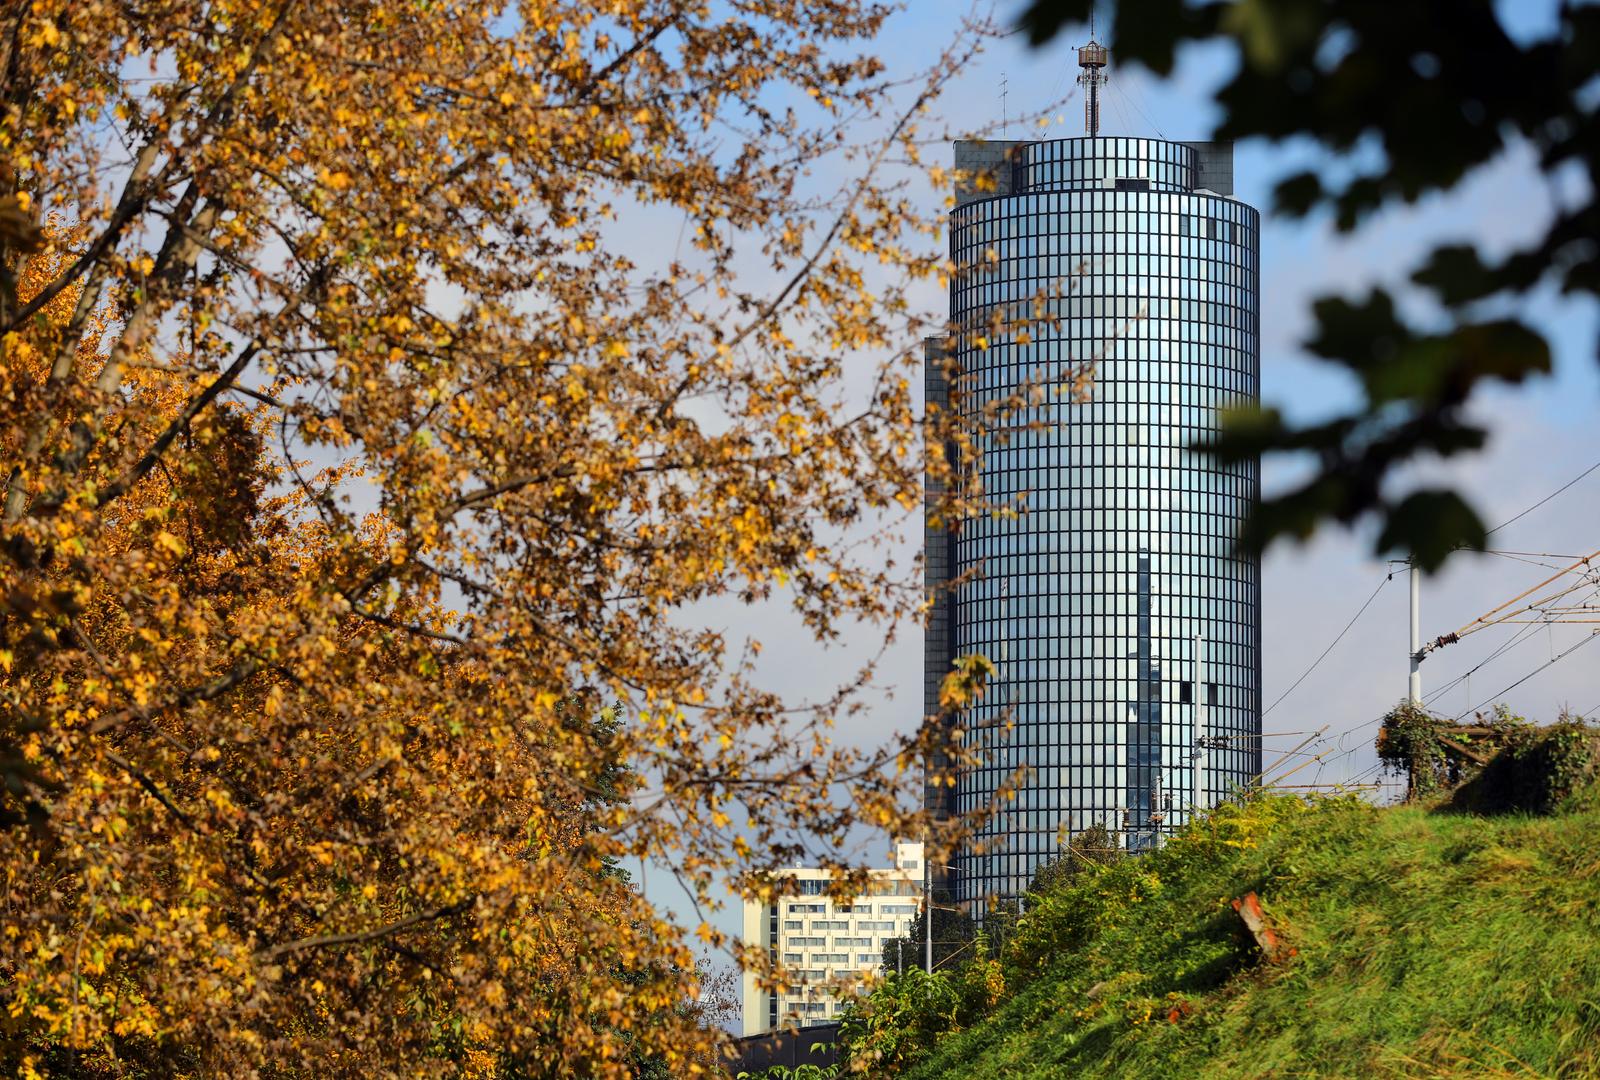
1554	659
1361	776
1544	500
1521	637
1582	566
1299	746
1332	785
1485	621
1318	759
1329	649
1519	557
1339	738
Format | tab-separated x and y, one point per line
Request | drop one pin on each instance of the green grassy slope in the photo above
1427	944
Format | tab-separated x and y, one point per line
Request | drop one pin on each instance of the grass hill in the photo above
1426	942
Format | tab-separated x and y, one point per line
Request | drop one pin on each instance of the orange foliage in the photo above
347	444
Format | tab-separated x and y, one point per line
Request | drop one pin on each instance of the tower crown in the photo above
1092	58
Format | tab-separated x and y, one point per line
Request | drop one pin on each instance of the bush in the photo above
1545	771
1413	741
799	1072
899	1021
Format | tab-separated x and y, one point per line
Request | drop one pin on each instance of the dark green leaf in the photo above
1296	195
1359	335
1428	525
1456	275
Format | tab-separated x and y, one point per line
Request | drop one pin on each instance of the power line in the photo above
1362	775
1582	567
1516	557
1340	737
1544	500
1301	745
1329	649
1592	635
1524	634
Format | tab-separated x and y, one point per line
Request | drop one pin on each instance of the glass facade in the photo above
1093	600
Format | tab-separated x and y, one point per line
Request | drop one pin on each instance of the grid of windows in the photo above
1093	600
1063	163
827	944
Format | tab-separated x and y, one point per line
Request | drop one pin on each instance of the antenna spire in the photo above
1092	59
1005	121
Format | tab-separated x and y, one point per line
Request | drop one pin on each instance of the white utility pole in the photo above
1198	754
927	902
1416	632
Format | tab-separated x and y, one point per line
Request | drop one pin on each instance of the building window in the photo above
1185	692
1211	693
1128	184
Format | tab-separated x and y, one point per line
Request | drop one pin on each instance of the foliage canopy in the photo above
349	441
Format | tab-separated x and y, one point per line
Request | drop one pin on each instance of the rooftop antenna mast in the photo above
1005	121
1092	59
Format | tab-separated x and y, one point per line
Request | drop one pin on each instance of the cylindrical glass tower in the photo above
1094	601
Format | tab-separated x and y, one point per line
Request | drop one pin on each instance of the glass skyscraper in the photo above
1124	624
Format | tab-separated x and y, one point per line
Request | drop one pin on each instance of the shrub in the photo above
1547	770
799	1072
899	1022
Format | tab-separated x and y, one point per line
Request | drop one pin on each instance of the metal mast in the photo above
1092	59
1414	690
1198	754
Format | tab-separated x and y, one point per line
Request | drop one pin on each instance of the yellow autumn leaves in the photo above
355	455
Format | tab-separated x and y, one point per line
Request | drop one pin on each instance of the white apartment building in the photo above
819	941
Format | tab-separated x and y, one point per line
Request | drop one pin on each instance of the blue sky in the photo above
1543	435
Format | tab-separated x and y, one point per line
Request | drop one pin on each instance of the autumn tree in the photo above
349	434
